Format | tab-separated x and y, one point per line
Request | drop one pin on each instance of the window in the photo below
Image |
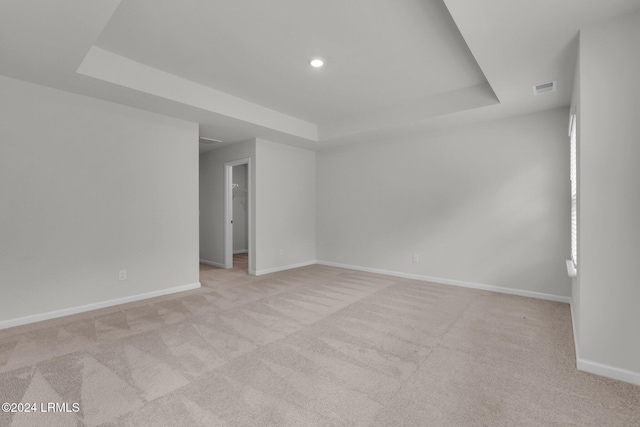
574	190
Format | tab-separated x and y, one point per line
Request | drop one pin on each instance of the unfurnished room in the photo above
319	213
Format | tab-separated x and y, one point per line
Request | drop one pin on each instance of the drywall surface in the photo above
88	188
487	204
575	288
212	199
609	209
240	209
285	206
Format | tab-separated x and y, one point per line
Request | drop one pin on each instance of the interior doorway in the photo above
237	218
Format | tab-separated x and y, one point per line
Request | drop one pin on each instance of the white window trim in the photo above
572	264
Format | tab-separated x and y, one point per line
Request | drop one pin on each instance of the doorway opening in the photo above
237	218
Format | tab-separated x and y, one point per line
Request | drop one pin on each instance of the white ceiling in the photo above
260	50
240	67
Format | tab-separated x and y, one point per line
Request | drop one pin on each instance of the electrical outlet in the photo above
281	251
122	275
416	258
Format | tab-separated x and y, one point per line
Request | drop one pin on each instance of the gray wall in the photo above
575	289
285	206
240	210
486	204
609	200
88	188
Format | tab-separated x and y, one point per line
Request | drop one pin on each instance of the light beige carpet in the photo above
315	346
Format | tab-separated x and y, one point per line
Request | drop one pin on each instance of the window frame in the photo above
573	179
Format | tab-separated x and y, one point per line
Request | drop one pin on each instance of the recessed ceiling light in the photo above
316	62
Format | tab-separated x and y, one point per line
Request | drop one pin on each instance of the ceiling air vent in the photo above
545	87
209	141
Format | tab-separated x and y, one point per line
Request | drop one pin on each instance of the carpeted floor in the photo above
312	346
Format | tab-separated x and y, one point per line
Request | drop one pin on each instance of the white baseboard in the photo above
214	264
519	292
581	364
82	308
284	267
608	371
241	251
599	368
